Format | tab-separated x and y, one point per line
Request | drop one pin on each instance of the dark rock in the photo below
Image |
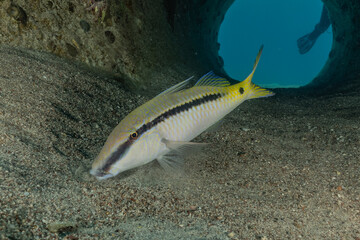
17	13
72	51
110	36
85	25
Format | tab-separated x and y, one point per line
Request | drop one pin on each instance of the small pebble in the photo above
193	208
70	237
110	36
85	25
231	235
58	227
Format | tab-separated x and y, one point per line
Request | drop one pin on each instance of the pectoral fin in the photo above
174	160
171	162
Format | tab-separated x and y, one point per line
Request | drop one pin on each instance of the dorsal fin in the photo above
178	87
210	79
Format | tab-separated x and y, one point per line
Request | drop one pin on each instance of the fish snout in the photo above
100	175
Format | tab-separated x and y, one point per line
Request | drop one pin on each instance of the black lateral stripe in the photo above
116	155
171	112
176	110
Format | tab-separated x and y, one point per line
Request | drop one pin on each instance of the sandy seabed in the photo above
284	167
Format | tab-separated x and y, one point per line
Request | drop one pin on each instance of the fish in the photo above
163	127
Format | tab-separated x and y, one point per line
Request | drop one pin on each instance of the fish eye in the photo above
134	135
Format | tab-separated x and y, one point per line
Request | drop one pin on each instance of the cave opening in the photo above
278	25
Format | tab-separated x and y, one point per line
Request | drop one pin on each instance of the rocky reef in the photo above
143	41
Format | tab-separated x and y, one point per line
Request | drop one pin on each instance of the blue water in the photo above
276	24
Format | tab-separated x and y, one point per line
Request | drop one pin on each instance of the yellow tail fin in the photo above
256	91
249	78
253	91
259	92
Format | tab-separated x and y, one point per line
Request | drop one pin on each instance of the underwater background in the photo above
276	24
283	167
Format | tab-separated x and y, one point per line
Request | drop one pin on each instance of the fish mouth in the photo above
100	175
